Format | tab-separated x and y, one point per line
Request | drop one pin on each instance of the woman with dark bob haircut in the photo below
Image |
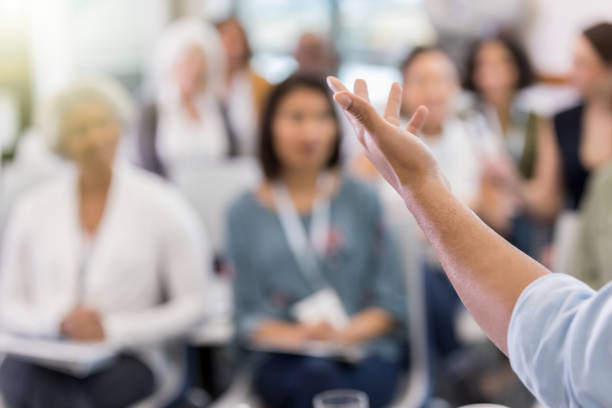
314	262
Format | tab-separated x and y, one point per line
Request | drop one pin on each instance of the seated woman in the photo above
101	253
498	71
314	260
184	121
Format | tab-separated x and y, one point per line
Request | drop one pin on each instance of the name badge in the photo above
323	305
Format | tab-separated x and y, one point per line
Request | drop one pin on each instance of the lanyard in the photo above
307	247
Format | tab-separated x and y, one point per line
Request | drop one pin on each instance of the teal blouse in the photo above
361	264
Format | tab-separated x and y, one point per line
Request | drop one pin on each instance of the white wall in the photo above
110	36
553	27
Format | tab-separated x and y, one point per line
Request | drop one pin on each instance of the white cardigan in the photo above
146	269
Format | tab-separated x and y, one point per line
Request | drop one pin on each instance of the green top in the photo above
593	255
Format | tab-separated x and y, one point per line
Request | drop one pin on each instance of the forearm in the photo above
488	273
274	329
156	324
277	333
22	318
368	324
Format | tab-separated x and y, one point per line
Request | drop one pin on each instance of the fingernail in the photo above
343	100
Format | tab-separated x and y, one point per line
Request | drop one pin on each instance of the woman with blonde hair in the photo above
102	252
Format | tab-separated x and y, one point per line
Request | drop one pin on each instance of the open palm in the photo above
397	153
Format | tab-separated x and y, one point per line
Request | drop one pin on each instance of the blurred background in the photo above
43	44
505	128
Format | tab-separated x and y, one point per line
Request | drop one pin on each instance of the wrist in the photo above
415	194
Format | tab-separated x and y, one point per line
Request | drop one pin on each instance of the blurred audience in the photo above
316	55
186	121
245	91
563	159
314	261
462	143
593	258
497	71
431	79
101	253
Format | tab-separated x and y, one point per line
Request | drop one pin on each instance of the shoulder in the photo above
244	206
259	81
48	193
153	193
39	204
145	183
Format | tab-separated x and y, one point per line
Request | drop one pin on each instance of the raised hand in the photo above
397	153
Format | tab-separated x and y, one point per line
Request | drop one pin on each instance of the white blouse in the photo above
461	150
182	139
145	271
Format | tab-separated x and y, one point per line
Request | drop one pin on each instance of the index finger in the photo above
335	84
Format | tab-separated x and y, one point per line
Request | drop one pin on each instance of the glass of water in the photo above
341	399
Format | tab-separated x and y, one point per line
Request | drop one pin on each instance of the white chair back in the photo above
406	234
212	186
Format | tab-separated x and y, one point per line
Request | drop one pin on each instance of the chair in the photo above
240	394
212	186
416	381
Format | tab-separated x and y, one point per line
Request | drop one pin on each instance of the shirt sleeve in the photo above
18	312
185	261
559	342
250	306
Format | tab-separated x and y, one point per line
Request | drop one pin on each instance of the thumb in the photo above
361	110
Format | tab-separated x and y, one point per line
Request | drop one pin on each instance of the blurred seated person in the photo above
314	261
461	141
185	121
593	257
563	160
316	55
245	91
462	144
103	252
497	71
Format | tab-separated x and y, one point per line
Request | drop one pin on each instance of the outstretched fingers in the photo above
417	120
360	88
394	102
358	107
